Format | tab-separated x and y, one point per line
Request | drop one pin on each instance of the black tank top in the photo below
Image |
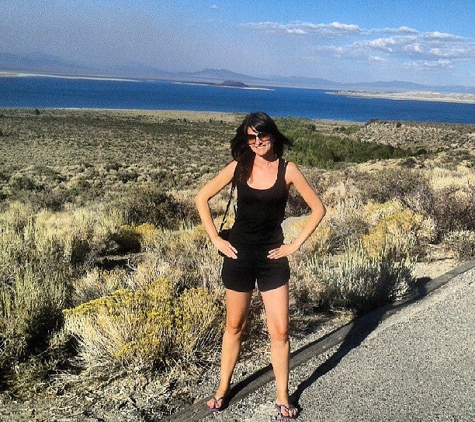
260	213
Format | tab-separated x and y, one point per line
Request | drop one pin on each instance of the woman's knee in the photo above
235	328
279	333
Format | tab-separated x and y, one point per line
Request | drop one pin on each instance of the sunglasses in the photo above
263	136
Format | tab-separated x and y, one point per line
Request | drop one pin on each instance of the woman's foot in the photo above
218	402
287	412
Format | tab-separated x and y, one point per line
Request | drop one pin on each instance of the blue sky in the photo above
430	42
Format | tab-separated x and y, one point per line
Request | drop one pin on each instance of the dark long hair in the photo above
240	150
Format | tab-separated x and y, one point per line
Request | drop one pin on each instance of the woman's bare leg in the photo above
276	303
237	310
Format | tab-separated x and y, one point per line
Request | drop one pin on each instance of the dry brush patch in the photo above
139	330
98	229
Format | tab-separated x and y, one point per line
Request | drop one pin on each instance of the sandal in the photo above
292	412
216	401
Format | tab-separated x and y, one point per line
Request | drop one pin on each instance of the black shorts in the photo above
241	275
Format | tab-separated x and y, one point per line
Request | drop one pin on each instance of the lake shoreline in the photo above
411	96
99	93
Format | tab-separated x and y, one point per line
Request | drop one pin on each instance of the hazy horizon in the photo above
356	41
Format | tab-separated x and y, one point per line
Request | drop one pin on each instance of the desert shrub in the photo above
128	239
144	329
131	238
462	243
40	254
149	204
148	234
359	281
457	175
23	182
30	246
125	240
320	243
346	222
187	257
98	283
454	209
296	206
53	200
83	190
30	310
30	376
81	232
338	190
392	224
408	186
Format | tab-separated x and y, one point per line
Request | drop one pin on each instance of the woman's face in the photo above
260	143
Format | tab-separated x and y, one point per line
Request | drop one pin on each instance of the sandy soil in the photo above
413	95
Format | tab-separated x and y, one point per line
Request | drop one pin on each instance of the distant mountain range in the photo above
47	64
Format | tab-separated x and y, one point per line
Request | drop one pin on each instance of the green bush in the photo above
149	204
408	186
318	150
454	210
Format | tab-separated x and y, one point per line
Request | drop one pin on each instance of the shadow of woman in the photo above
354	334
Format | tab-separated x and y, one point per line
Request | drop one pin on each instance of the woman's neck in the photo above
265	161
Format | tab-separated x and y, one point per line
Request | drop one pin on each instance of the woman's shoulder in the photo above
291	171
232	164
227	172
291	166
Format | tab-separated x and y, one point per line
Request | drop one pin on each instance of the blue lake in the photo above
44	92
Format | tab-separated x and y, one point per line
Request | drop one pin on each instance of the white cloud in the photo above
428	65
418	47
402	42
377	59
442	36
400	30
383	44
331	30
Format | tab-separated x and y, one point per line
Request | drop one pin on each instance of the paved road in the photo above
417	365
406	362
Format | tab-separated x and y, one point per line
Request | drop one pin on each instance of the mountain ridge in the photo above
42	63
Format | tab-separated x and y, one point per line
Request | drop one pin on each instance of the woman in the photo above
255	250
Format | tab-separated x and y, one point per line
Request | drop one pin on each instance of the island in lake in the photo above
226	84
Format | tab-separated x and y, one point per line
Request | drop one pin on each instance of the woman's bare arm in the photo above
202	204
295	177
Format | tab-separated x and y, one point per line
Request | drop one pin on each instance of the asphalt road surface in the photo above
412	361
